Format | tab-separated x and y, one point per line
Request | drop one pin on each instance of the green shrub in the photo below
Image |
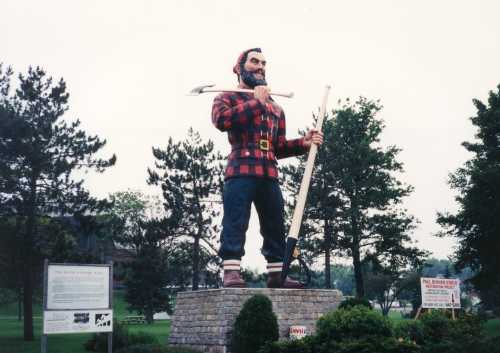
255	325
121	338
437	326
304	345
354	323
348	303
443	335
368	344
99	341
154	348
491	345
410	330
140	337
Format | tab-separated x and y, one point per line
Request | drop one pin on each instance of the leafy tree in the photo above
139	223
354	206
190	176
128	215
386	287
476	224
343	278
146	279
39	150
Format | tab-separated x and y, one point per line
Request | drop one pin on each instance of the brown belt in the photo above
262	144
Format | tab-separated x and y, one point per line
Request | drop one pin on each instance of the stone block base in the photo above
204	319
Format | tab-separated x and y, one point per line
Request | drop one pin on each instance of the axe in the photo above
291	241
208	88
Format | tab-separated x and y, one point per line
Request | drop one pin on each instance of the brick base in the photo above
203	319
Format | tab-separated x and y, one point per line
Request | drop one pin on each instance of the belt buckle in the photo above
264	145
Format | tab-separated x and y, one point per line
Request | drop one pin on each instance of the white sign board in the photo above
440	292
77	321
77	287
297	332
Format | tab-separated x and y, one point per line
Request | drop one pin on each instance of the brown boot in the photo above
232	279
274	281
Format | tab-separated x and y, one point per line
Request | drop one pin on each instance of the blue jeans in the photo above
238	195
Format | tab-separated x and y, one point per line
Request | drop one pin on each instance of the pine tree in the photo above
39	151
190	176
147	279
139	223
476	224
354	203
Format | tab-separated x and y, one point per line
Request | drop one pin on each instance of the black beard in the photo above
249	79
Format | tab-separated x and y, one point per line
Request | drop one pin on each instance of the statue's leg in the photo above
237	200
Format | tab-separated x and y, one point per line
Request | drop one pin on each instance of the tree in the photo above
476	224
146	279
255	325
355	199
385	280
127	218
38	153
318	230
139	223
190	176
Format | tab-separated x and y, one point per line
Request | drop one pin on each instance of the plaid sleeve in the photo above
226	116
288	148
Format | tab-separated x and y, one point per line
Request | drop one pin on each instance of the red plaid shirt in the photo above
256	132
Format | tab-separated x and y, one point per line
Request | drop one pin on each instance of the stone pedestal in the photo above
204	319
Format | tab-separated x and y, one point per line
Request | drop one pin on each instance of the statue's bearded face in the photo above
253	71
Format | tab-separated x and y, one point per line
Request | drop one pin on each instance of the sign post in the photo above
77	298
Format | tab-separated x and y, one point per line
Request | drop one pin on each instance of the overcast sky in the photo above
129	64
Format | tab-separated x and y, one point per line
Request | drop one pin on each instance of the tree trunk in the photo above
196	262
28	248
28	281
356	254
149	315
19	303
358	274
328	249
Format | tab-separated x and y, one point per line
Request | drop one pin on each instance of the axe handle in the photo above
244	90
293	235
306	179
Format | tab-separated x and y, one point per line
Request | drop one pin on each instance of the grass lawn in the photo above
11	331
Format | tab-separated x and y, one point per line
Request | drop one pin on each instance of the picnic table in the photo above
134	319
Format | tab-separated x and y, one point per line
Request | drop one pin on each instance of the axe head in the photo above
199	90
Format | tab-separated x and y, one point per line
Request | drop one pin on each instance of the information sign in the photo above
77	287
67	321
440	292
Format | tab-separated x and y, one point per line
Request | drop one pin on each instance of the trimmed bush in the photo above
357	322
348	303
359	329
255	325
